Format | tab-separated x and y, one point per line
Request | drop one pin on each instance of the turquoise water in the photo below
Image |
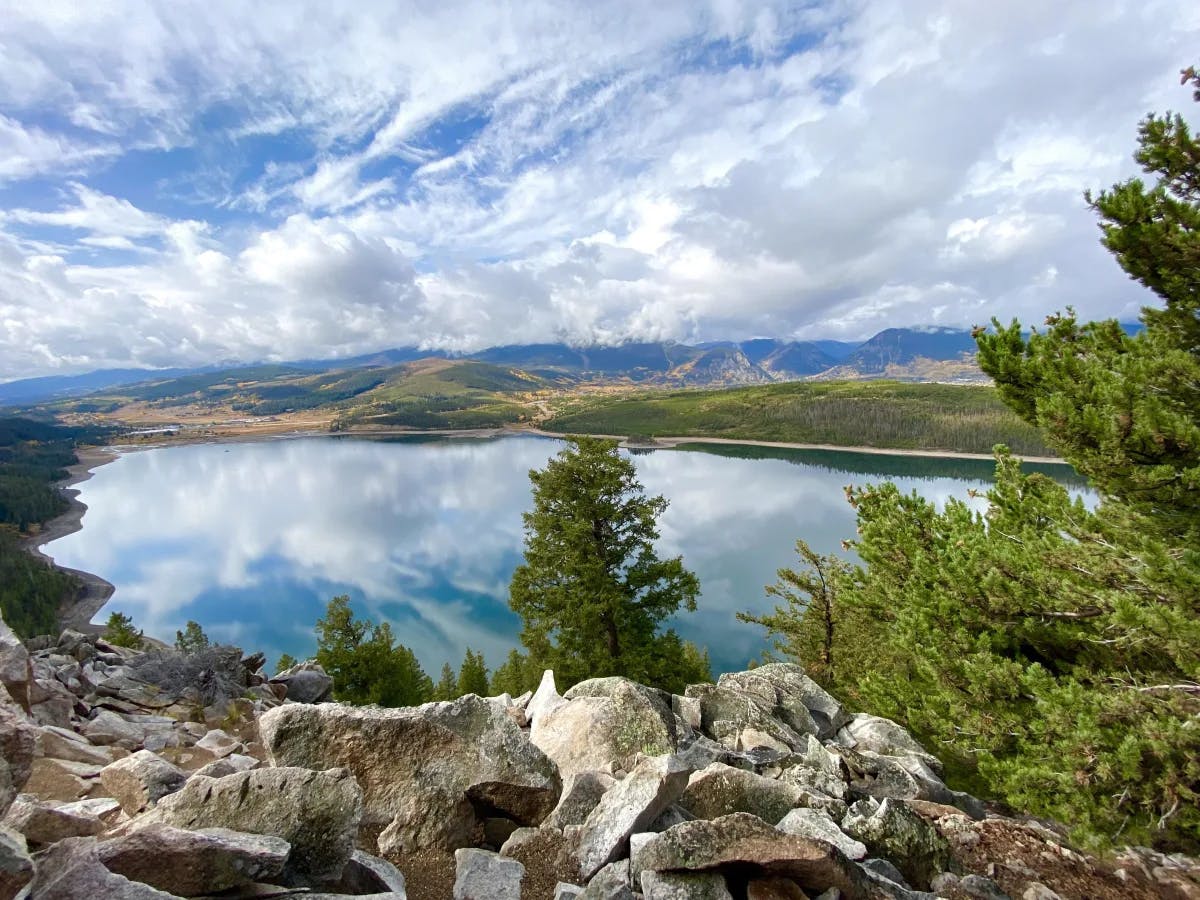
251	540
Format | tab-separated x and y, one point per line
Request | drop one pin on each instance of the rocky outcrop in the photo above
759	786
317	813
429	774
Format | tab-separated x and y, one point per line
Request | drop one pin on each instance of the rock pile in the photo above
133	775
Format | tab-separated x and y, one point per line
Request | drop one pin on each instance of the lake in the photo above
251	540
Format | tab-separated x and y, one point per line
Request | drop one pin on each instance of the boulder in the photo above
17	742
885	737
741	721
45	823
605	729
818	824
627	807
684	886
230	765
139	781
317	813
545	698
612	882
219	744
893	831
482	875
719	790
746	843
16	673
428	773
580	794
107	727
72	869
367	874
61	743
16	865
798	699
306	682
191	863
903	778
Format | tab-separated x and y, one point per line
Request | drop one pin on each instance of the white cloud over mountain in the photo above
186	182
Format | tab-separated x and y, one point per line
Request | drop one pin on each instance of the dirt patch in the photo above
1017	855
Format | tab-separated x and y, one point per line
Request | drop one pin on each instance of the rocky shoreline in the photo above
130	774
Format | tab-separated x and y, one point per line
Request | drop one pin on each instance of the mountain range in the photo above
914	354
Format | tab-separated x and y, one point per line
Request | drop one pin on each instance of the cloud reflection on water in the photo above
252	539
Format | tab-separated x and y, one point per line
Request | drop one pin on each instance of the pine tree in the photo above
473	675
592	590
366	663
119	630
285	662
192	639
1052	652
447	684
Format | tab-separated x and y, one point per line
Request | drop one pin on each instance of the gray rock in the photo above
367	874
219	744
564	891
741	721
883	736
612	882
44	823
748	844
517	839
190	863
885	869
425	770
684	886
799	699
893	831
106	809
605	727
316	812
139	781
580	794
63	744
72	869
17	744
482	875
545	698
903	778
230	765
16	865
16	673
107	727
628	807
816	823
1035	890
307	682
719	790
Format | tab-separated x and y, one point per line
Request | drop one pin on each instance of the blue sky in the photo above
184	183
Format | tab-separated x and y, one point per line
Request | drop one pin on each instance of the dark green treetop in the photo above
366	663
592	590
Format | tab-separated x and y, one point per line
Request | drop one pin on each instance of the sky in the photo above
190	183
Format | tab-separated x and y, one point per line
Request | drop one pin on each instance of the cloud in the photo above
485	173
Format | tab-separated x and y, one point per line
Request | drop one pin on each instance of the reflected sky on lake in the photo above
251	540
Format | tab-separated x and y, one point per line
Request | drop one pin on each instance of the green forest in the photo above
961	418
33	456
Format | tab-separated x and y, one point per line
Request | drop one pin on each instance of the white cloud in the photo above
481	173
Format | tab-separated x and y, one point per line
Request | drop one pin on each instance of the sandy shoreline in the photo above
94	591
659	443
